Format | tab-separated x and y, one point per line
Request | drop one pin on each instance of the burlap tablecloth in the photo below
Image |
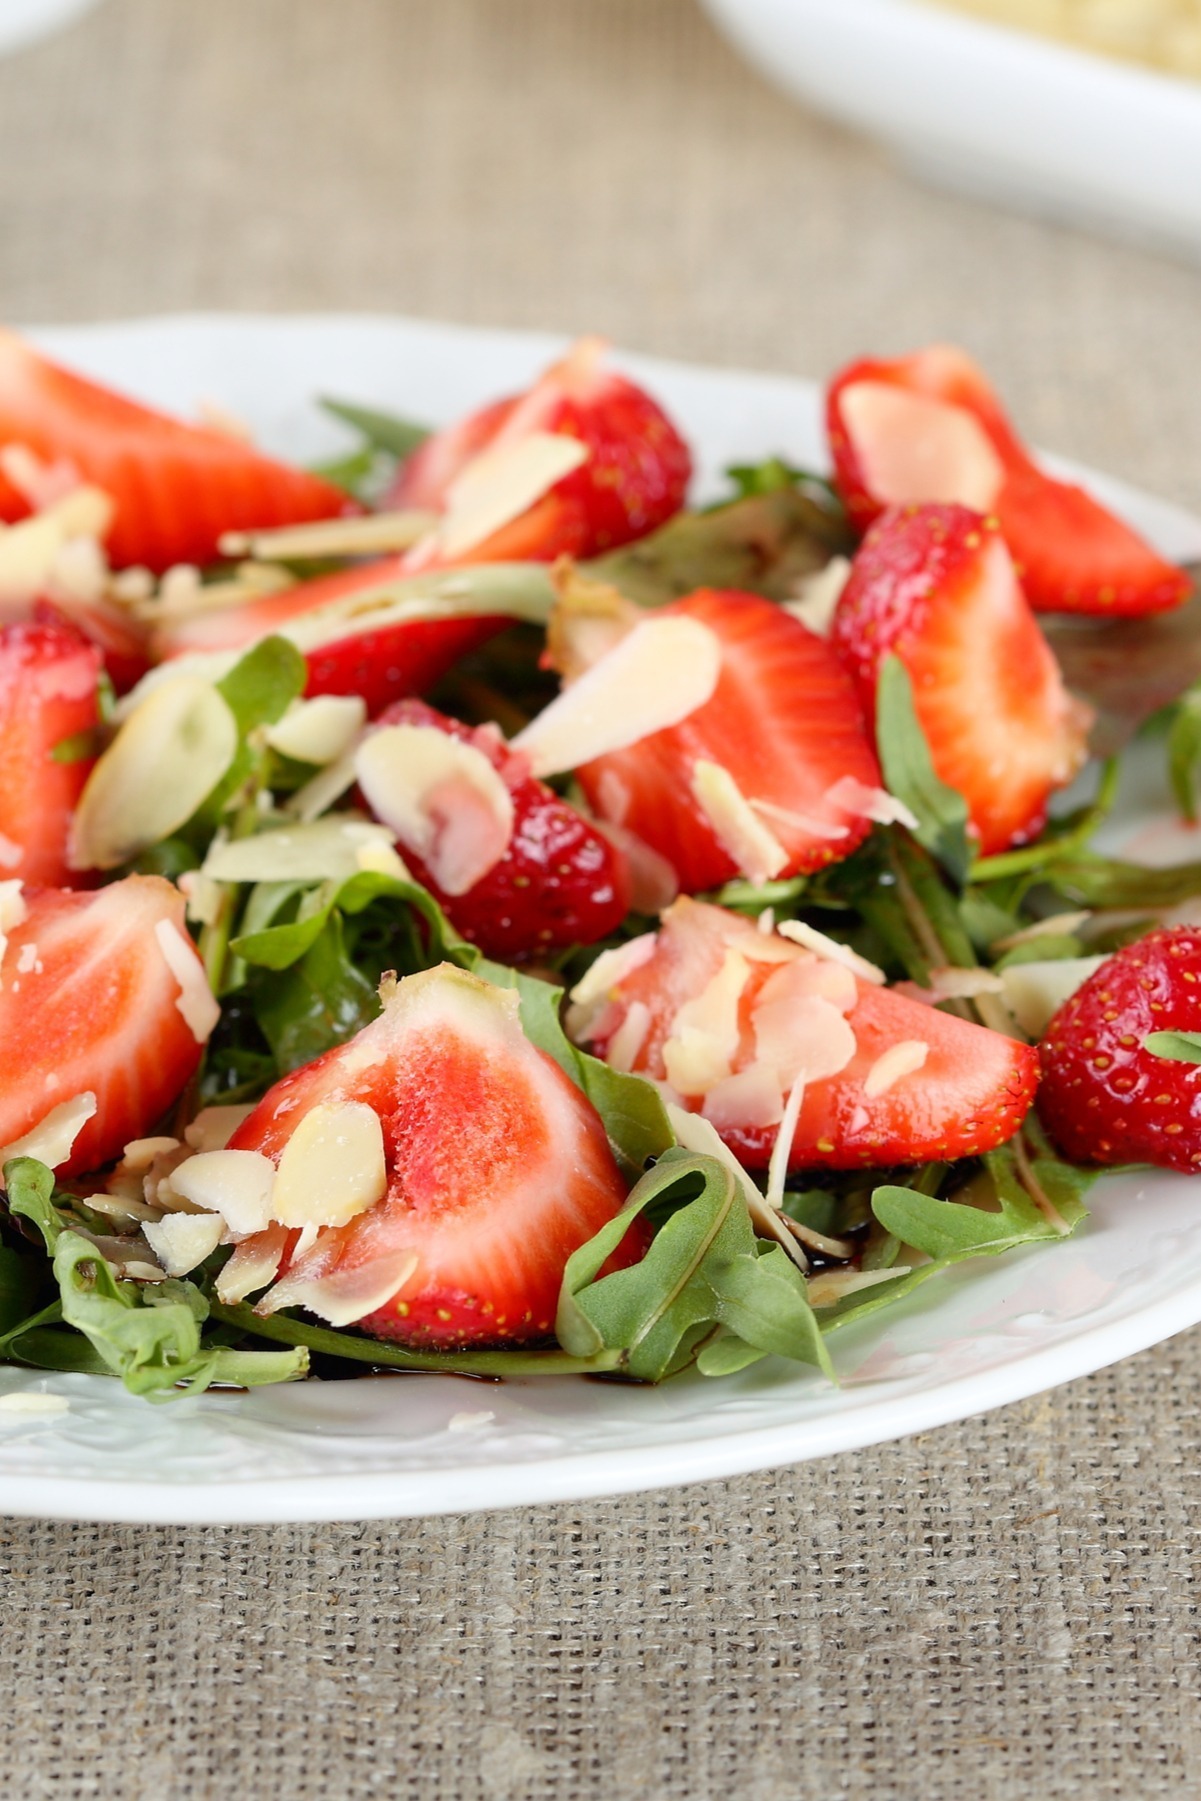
1001	1609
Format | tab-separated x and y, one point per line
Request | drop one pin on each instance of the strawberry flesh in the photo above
498	1167
935	586
560	882
1073	554
177	487
784	721
48	695
1106	1099
88	1002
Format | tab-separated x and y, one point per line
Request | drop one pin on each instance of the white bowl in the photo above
993	111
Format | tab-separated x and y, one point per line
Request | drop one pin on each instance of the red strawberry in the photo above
935	586
783	722
90	1003
730	1016
48	690
177	487
497	1169
558	881
928	427
1104	1097
121	643
635	478
351	648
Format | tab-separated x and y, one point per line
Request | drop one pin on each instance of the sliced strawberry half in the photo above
354	641
551	879
496	1168
633	477
929	427
177	487
48	695
730	1017
93	1000
772	774
935	586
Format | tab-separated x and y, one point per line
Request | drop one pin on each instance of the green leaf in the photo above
703	1270
20	1281
320	1000
1106	883
262	685
774	474
1184	752
383	431
941	812
1177	1047
30	1187
76	749
353	473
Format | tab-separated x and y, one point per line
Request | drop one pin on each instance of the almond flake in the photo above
347	1296
948	982
501	484
1056	924
897	1062
236	1184
798	1033
1034	992
812	940
254	1264
183	1240
52	1139
140	1153
30	549
443	799
799	822
332	1167
372	534
165	760
213	1127
320	730
755	851
697	1134
322	850
705	1032
913	448
621	1052
832	1285
29	1402
876	804
611	969
748	1101
653	678
777	1169
195	1000
819	596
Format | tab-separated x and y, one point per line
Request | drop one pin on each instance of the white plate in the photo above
1003	113
977	1338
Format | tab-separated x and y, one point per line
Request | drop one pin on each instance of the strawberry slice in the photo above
1106	1097
772	775
48	694
936	586
496	1168
349	650
177	487
730	1017
553	880
92	1001
928	427
635	475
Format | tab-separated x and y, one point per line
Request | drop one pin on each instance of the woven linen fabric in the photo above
1001	1610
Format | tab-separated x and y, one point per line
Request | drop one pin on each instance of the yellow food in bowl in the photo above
1164	33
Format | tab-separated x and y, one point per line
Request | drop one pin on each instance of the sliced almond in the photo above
255	1262
801	1034
322	850
781	1150
621	1052
236	1184
442	798
30	549
140	1153
346	1296
195	1000
213	1127
320	730
749	1101
181	1241
812	940
897	1062
833	1285
165	760
52	1139
611	969
332	1167
705	1032
913	448
501	484
698	1134
819	596
876	804
656	676
1034	992
372	534
755	850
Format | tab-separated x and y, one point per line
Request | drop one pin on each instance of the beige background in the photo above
998	1610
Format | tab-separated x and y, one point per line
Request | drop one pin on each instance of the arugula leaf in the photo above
941	812
774	473
30	1187
1184	752
320	1000
1107	883
1177	1047
703	1270
383	431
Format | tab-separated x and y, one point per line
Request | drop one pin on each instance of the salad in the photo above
463	909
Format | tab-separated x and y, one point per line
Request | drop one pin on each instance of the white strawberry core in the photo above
653	678
912	448
442	798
